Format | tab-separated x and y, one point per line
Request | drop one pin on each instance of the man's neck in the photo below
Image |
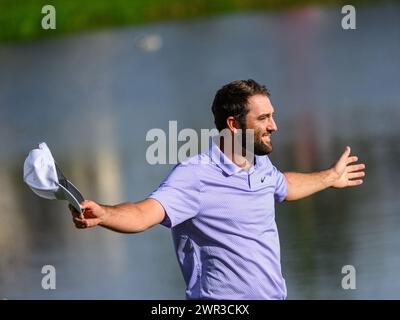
236	158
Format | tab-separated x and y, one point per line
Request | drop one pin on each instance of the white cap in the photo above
46	180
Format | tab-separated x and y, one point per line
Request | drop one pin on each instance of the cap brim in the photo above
67	191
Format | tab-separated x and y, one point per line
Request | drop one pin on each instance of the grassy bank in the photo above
21	20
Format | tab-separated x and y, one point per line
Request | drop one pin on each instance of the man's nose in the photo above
272	126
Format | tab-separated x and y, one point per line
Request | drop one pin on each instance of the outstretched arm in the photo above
125	217
343	174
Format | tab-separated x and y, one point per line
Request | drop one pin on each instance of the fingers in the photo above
79	223
353	183
355	167
353	173
356	175
85	223
352	159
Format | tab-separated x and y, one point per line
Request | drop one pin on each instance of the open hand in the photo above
346	172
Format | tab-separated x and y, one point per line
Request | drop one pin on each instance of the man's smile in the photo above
267	137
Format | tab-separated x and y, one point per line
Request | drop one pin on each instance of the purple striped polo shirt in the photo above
223	226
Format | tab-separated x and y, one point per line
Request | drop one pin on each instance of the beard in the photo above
261	148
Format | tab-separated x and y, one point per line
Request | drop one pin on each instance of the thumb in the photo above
345	154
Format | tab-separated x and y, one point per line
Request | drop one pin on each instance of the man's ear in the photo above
233	124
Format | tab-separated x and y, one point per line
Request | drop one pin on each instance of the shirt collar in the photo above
223	162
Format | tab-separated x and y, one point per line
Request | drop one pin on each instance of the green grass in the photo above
20	20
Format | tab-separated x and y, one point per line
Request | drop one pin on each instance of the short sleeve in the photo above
280	185
179	194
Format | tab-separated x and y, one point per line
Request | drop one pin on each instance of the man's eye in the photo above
267	116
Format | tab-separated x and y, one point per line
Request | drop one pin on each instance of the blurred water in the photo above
93	97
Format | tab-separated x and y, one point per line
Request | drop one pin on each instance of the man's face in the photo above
260	119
